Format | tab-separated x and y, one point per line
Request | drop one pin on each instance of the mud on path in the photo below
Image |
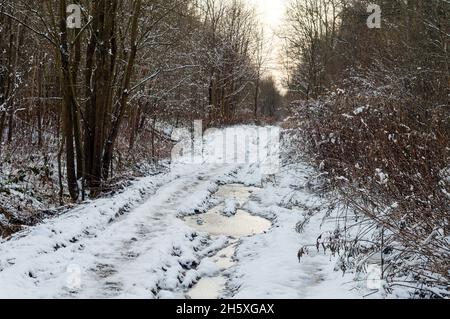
233	222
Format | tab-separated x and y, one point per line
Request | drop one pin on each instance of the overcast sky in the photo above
271	13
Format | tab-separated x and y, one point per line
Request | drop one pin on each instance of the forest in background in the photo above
371	111
83	108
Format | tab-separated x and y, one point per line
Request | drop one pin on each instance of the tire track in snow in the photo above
127	257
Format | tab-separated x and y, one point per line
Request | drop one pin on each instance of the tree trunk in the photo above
256	96
120	111
69	103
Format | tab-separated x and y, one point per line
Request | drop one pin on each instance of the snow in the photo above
383	178
273	255
109	248
359	110
230	207
140	243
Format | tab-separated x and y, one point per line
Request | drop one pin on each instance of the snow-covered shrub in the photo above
387	153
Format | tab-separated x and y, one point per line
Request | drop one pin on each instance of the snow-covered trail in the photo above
118	254
137	245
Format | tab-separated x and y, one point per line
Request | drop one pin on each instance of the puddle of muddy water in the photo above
224	258
208	288
212	287
240	193
242	224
